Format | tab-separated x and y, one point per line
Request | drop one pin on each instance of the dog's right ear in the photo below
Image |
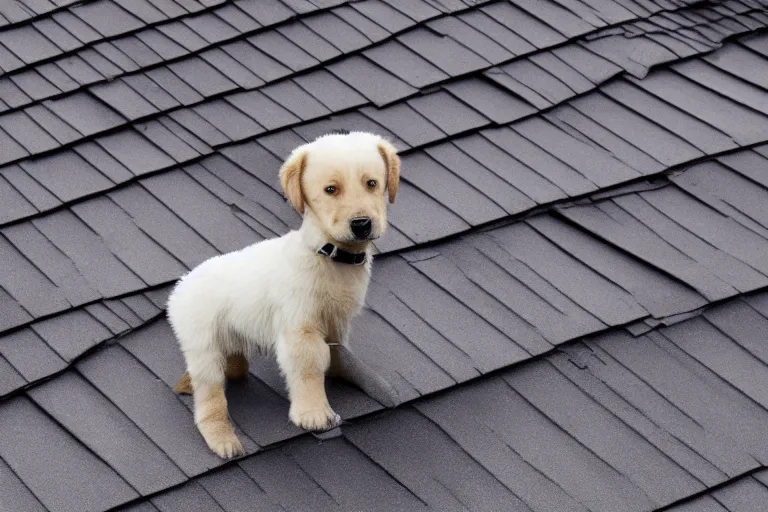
392	161
290	178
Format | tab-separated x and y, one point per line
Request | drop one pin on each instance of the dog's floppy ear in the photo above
389	154
290	178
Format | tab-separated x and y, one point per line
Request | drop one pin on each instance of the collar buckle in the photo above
329	250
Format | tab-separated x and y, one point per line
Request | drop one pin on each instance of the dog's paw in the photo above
225	444
314	419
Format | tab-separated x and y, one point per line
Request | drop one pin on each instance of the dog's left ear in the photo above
290	178
389	154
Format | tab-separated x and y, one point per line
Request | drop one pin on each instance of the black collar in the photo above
341	256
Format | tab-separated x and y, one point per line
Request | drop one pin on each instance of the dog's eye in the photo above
330	190
371	183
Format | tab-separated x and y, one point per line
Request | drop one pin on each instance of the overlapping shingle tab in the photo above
568	312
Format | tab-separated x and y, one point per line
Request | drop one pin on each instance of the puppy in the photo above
289	296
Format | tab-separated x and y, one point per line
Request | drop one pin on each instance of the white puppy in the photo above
292	295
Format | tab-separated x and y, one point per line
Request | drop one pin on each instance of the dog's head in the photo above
344	180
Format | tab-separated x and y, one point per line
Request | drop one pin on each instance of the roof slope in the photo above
568	313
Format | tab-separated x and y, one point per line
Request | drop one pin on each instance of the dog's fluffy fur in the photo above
279	296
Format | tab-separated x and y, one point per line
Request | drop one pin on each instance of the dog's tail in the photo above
237	368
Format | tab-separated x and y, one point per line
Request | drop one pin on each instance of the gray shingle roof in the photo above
569	311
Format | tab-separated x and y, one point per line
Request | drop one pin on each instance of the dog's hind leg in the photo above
184	385
212	420
237	368
206	376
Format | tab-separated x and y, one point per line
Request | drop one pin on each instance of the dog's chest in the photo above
338	295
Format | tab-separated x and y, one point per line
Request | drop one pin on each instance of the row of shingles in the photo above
94	251
46	127
72	32
160	12
179	83
13	13
153	352
660	227
244	64
27	12
64	31
548	79
307	97
734	187
683	237
571	171
326	36
64	121
622	423
680	34
46	347
241	64
126	98
746	494
327	94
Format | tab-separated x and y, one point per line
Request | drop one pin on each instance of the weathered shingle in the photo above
85	113
373	82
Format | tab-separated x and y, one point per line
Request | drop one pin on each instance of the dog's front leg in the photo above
304	357
212	419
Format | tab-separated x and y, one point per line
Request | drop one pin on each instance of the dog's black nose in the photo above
361	227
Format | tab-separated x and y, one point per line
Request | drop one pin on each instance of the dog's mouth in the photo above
353	240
